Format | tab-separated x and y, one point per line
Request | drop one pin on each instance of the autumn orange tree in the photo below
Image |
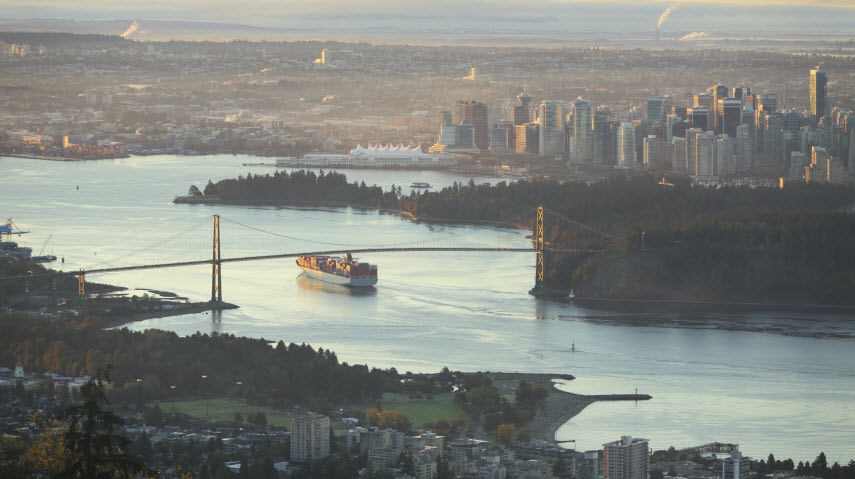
387	418
505	433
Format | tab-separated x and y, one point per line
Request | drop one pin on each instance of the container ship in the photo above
343	270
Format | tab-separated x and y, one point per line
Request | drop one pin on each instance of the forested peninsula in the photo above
730	244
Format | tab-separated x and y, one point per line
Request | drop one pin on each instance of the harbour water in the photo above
789	391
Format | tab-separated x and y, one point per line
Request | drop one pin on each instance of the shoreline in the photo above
202	200
61	158
181	309
560	406
677	305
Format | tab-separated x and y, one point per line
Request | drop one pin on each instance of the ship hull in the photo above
357	282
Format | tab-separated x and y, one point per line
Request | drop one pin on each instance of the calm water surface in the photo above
788	395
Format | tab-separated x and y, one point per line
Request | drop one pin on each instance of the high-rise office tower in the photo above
652	152
772	137
551	120
479	122
521	113
625	459
751	100
807	139
678	155
605	138
744	146
447	135
626	145
792	121
679	129
798	163
700	118
476	114
502	139
527	138
464	135
768	102
748	117
445	118
655	109
705	153
731	115
741	92
692	135
725	152
680	111
825	135
582	130
670	122
310	438
818	90
703	100
719	92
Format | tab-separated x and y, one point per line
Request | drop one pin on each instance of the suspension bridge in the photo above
540	247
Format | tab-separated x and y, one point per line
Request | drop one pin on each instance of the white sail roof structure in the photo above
389	151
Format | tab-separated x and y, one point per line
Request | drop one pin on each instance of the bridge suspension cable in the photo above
502	223
149	247
581	225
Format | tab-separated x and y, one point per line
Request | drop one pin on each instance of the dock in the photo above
620	397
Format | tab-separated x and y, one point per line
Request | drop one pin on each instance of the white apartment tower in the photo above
626	145
705	154
625	459
678	155
310	438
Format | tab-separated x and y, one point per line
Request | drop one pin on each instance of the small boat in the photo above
420	185
573	347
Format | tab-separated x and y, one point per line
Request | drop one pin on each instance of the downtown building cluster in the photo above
719	133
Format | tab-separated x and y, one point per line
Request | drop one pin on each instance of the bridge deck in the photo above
294	255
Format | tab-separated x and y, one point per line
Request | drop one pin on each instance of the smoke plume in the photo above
695	36
132	28
665	14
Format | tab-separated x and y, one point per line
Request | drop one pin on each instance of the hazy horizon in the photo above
415	18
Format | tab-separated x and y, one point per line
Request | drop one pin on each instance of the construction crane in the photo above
44	245
42	258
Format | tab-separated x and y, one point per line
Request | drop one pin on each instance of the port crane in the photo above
9	229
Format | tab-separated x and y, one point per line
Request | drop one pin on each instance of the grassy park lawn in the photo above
224	410
425	411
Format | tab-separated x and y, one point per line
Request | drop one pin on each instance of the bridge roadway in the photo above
294	255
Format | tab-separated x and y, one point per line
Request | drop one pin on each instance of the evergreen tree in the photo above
94	449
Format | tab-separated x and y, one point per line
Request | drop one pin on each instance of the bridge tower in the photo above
538	250
216	272
81	288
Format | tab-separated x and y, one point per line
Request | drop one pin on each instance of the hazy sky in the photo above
806	16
